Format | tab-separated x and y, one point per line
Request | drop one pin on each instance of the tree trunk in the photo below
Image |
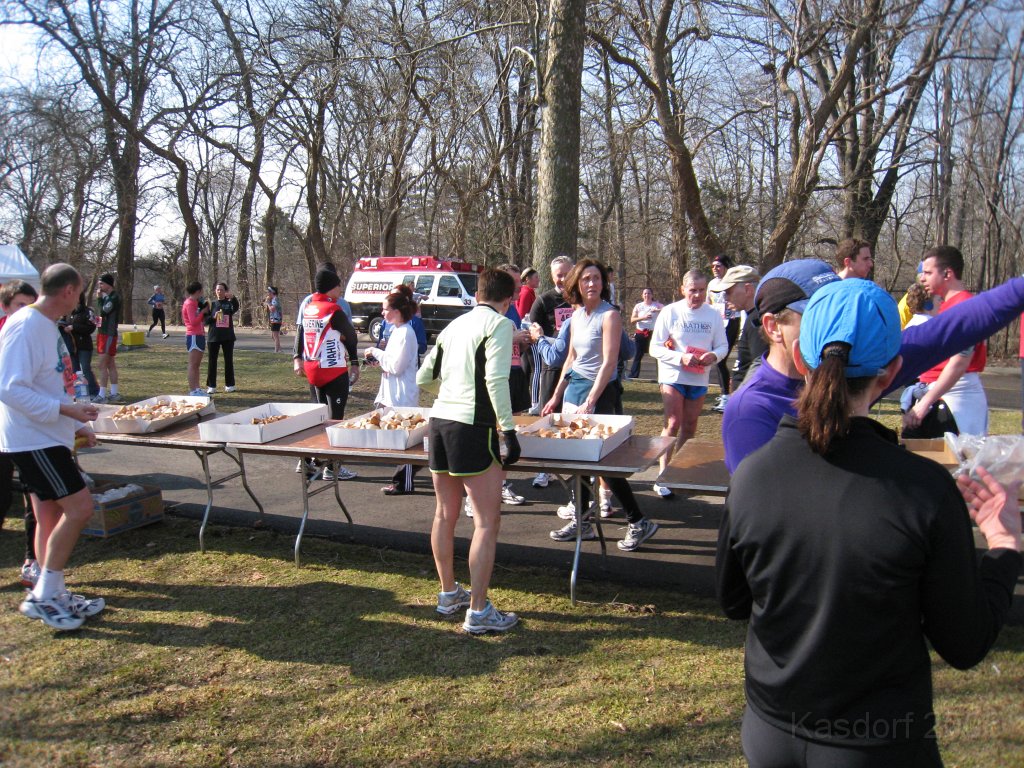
558	169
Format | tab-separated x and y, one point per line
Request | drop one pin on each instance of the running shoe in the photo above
115	398
229	389
490	619
467	507
541	480
30	573
637	534
451	602
82	606
211	390
53	613
167	335
339	473
663	491
100	400
568	532
719	407
198	392
508	496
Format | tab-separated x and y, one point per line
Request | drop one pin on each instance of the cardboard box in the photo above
133	339
936	449
384	439
125	513
582	449
238	427
106	423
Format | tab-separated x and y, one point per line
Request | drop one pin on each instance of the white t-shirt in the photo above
688	329
398	365
36	376
646	314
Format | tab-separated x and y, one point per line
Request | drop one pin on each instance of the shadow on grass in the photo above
378	637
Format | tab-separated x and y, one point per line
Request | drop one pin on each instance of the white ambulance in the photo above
448	289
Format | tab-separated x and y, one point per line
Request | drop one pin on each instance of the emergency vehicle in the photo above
447	289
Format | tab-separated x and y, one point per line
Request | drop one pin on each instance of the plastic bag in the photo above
1001	455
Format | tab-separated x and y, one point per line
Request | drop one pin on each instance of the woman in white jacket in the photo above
688	339
398	365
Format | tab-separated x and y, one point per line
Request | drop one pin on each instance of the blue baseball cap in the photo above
790	285
855	312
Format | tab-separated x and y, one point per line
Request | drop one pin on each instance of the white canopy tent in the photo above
14	265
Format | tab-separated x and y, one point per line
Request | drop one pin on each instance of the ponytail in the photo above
823	409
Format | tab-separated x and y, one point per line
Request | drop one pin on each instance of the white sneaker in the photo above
490	619
719	407
53	613
30	574
167	335
508	496
661	490
229	389
210	390
567	512
541	480
82	606
637	534
467	507
338	473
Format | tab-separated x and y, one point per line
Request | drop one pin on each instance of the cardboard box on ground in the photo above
136	509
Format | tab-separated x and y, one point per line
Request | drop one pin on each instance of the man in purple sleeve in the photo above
753	412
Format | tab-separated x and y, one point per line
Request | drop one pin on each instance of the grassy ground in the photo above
239	659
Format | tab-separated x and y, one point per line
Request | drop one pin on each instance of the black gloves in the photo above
511	447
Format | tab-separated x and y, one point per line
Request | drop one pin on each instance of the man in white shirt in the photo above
38	423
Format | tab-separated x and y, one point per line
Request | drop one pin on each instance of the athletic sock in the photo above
50	584
113	390
102	392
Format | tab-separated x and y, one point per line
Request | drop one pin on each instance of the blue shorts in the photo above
195	342
690	391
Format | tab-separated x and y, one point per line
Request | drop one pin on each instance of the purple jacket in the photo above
753	412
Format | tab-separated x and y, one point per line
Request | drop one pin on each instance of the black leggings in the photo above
7	496
608	405
766	746
158	317
333	394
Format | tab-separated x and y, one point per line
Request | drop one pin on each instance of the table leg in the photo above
204	458
304	482
337	497
577	484
239	458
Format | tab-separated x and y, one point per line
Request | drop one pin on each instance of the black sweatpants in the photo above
212	350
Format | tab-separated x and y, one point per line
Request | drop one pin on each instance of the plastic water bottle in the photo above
81	389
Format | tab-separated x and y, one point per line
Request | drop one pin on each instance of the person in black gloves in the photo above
465	422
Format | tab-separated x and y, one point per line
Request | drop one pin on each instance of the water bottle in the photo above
81	389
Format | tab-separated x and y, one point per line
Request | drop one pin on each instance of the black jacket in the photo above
227	307
846	565
83	326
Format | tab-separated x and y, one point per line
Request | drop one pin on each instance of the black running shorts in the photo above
461	449
49	473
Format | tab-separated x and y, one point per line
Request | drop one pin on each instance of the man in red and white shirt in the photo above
956	380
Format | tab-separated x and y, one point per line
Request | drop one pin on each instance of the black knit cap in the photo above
325	281
108	279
